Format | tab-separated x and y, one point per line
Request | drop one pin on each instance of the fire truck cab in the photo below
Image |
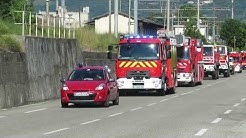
145	63
224	67
211	61
189	67
243	53
237	61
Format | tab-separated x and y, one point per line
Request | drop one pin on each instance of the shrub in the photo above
8	43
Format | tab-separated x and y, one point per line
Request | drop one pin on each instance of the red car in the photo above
90	84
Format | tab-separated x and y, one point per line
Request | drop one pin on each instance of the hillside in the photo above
98	7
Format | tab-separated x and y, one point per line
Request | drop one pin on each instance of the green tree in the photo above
231	29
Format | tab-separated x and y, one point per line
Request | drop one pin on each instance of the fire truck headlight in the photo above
186	75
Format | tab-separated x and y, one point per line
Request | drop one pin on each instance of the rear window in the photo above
87	74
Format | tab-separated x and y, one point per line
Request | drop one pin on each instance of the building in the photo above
145	26
179	29
68	19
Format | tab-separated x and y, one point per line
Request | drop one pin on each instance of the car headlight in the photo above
65	87
100	87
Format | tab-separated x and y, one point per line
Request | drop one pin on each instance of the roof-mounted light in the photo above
139	36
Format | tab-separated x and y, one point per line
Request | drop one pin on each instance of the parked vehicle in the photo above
223	60
243	54
89	84
237	61
146	63
189	67
211	61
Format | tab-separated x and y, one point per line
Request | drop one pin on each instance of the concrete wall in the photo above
48	60
35	75
13	79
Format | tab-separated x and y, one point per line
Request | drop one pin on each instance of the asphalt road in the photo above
215	109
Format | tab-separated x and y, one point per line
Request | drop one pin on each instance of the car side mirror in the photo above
63	80
169	54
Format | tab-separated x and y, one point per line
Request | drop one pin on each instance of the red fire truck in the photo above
224	67
237	61
189	54
211	61
243	54
145	63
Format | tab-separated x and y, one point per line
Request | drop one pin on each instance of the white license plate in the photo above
138	86
81	94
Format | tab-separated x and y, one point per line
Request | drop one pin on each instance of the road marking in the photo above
197	89
204	87
227	112
174	96
243	99
4	109
95	120
115	114
35	110
134	109
2	116
163	100
237	104
217	120
58	130
151	104
201	132
209	85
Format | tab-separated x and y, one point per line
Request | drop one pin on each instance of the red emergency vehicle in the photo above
224	67
243	54
189	55
237	61
145	63
211	61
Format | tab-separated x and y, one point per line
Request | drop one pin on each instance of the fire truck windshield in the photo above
208	51
222	50
183	53
236	59
138	51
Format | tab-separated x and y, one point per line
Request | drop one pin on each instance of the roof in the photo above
125	15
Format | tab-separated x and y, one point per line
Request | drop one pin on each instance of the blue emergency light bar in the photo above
137	36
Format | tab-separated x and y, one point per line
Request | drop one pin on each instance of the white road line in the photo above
209	85
217	120
174	96
2	116
163	100
35	110
184	93
115	114
197	89
4	109
134	109
151	104
58	130
201	132
95	120
227	112
204	87
237	104
243	99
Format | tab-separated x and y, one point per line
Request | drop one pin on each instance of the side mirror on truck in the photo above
168	54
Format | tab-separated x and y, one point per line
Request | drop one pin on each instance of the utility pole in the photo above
135	16
129	17
168	15
48	16
198	15
109	15
116	12
232	9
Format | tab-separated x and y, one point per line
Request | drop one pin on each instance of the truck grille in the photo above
138	75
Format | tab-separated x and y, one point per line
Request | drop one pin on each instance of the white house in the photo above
145	26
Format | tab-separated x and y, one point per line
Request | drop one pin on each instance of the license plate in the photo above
81	94
138	86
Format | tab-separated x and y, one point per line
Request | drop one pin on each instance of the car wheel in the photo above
64	105
106	103
117	99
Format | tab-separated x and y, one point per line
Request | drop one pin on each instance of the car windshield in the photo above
139	51
87	74
183	53
208	51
